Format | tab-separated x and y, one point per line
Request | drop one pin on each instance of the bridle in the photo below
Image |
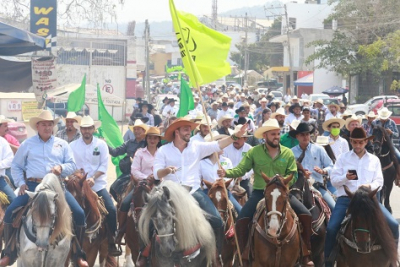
282	214
137	211
380	143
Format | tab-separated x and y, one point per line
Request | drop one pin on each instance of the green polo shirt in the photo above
288	141
258	159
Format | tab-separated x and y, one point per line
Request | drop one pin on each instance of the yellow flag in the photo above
203	51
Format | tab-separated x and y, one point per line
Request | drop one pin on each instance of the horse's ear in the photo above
134	180
373	193
207	183
348	192
265	177
166	192
287	180
30	194
228	182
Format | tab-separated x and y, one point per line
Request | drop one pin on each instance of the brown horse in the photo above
3	206
365	238
218	195
239	193
96	241
275	239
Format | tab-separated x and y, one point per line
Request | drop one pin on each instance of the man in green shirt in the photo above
287	140
270	158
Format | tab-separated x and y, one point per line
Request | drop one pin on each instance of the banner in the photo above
44	20
29	110
44	78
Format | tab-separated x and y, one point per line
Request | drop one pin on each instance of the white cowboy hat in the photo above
384	113
212	123
347	112
87	121
263	100
371	114
271	124
333	104
294	124
44	116
279	111
225	95
353	118
72	116
322	140
216	136
3	119
319	101
237	129
326	123
139	123
223	118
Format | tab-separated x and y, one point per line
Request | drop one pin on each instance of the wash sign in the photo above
44	20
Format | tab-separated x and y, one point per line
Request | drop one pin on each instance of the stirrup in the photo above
115	251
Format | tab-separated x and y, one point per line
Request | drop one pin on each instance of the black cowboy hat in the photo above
165	99
170	100
359	133
302	128
295	105
139	116
241	109
149	106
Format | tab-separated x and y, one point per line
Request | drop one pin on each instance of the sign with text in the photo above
44	20
14	105
29	110
44	77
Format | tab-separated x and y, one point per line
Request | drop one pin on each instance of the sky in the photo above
158	10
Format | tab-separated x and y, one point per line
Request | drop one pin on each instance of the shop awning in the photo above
280	69
305	81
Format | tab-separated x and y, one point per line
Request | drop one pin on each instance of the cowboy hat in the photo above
246	105
216	136
319	101
279	111
170	100
359	134
3	119
224	118
334	104
154	131
327	123
215	103
346	113
145	103
241	109
237	129
72	116
139	123
322	140
295	105
302	128
384	113
353	118
225	95
295	124
139	116
371	114
45	115
87	121
271	124
169	132
263	100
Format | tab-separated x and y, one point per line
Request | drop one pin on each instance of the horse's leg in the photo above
388	182
128	257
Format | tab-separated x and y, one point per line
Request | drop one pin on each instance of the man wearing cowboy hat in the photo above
225	124
144	109
314	159
241	113
258	112
368	126
333	111
338	144
12	142
213	111
170	109
69	133
225	111
351	123
165	103
368	173
306	112
91	154
280	116
36	157
204	129
295	113
6	157
179	161
270	158
241	101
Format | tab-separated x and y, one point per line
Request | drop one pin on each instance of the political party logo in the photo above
190	43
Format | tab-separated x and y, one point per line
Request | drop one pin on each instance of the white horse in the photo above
46	232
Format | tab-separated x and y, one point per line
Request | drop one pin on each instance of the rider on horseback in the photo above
91	154
38	156
6	157
270	158
368	173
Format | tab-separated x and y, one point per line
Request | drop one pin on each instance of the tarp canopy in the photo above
305	81
14	41
335	90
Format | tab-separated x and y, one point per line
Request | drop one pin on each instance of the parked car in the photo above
363	109
277	95
315	97
61	109
18	130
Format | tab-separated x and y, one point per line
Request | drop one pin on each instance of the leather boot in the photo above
80	255
306	221
143	256
112	247
242	232
122	218
219	239
9	253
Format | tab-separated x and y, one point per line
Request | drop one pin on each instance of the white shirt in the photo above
368	169
291	117
197	138
339	146
188	161
6	156
330	116
92	158
208	170
172	110
229	112
251	126
236	155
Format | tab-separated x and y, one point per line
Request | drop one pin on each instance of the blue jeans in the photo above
331	187
8	173
6	189
78	214
112	211
327	197
246	185
126	203
236	204
206	204
338	214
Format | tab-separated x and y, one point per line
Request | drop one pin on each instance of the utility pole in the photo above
289	51
147	58
246	53
214	13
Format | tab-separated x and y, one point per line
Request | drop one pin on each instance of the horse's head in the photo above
74	184
380	138
219	196
276	196
141	188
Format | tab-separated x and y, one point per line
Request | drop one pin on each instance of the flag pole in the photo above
208	121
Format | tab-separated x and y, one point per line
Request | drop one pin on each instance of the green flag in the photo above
109	130
76	99
186	102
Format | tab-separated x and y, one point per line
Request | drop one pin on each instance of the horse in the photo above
181	236
3	206
46	232
239	193
319	210
275	239
96	241
365	238
384	150
218	195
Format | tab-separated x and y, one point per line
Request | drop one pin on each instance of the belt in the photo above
35	180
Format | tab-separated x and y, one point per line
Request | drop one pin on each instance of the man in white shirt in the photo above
225	111
179	161
295	113
241	101
91	154
368	173
203	129
6	158
338	144
333	111
170	109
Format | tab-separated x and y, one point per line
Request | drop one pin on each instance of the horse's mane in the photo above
389	144
330	153
63	223
192	228
365	208
91	199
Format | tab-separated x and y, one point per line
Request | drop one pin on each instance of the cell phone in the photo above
354	172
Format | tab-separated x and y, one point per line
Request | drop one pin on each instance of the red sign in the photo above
108	88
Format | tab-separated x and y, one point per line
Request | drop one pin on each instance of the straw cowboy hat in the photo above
319	101
44	116
169	132
3	119
326	123
87	121
359	134
322	140
335	105
271	124
224	118
139	123
346	113
353	118
295	124
279	111
263	100
384	113
154	131
302	128
216	136
371	114
237	129
72	116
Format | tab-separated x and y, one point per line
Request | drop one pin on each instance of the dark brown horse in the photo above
96	241
365	238
239	193
218	195
275	239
